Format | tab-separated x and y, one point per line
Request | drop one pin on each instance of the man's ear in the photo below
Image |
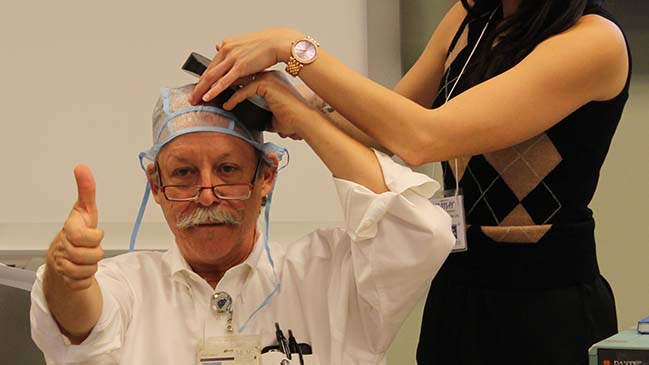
155	189
269	174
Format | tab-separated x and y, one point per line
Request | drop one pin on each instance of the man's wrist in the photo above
310	121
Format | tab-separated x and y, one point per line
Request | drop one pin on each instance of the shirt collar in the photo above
179	269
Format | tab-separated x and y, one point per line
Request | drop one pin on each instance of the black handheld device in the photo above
251	112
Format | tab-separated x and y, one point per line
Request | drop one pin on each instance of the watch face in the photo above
304	51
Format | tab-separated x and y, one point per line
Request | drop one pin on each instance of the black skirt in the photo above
465	325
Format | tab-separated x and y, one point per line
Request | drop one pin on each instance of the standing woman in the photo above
519	99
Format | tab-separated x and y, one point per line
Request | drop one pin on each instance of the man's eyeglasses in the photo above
184	193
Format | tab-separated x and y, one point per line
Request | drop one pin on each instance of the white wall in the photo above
79	81
620	207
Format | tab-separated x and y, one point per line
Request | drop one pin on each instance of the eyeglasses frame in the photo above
199	188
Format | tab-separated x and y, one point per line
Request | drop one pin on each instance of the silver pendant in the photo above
221	303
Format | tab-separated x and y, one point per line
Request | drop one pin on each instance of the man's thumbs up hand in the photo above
86	205
76	250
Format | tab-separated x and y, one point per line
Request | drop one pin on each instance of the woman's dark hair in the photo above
516	36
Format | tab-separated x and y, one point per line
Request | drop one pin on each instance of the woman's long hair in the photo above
516	36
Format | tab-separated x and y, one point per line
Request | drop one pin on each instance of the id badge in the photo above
230	350
454	206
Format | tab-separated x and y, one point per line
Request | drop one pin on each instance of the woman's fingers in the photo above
251	89
216	69
225	81
241	56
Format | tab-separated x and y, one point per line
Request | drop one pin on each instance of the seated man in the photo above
345	291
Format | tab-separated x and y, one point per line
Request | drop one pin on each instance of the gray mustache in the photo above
213	214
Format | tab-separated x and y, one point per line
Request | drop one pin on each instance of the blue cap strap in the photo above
140	214
278	285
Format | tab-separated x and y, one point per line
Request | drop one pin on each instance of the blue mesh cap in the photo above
174	116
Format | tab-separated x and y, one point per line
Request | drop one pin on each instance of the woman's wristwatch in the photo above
303	52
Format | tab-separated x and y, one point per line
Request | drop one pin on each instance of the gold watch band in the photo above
293	66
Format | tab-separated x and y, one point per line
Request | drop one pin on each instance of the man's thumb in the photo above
86	190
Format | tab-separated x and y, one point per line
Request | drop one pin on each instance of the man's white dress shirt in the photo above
345	291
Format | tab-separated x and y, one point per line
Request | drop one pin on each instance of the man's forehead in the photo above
192	145
194	157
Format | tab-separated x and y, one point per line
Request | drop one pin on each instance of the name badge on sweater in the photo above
453	204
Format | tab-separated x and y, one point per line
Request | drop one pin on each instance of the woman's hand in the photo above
241	56
291	112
